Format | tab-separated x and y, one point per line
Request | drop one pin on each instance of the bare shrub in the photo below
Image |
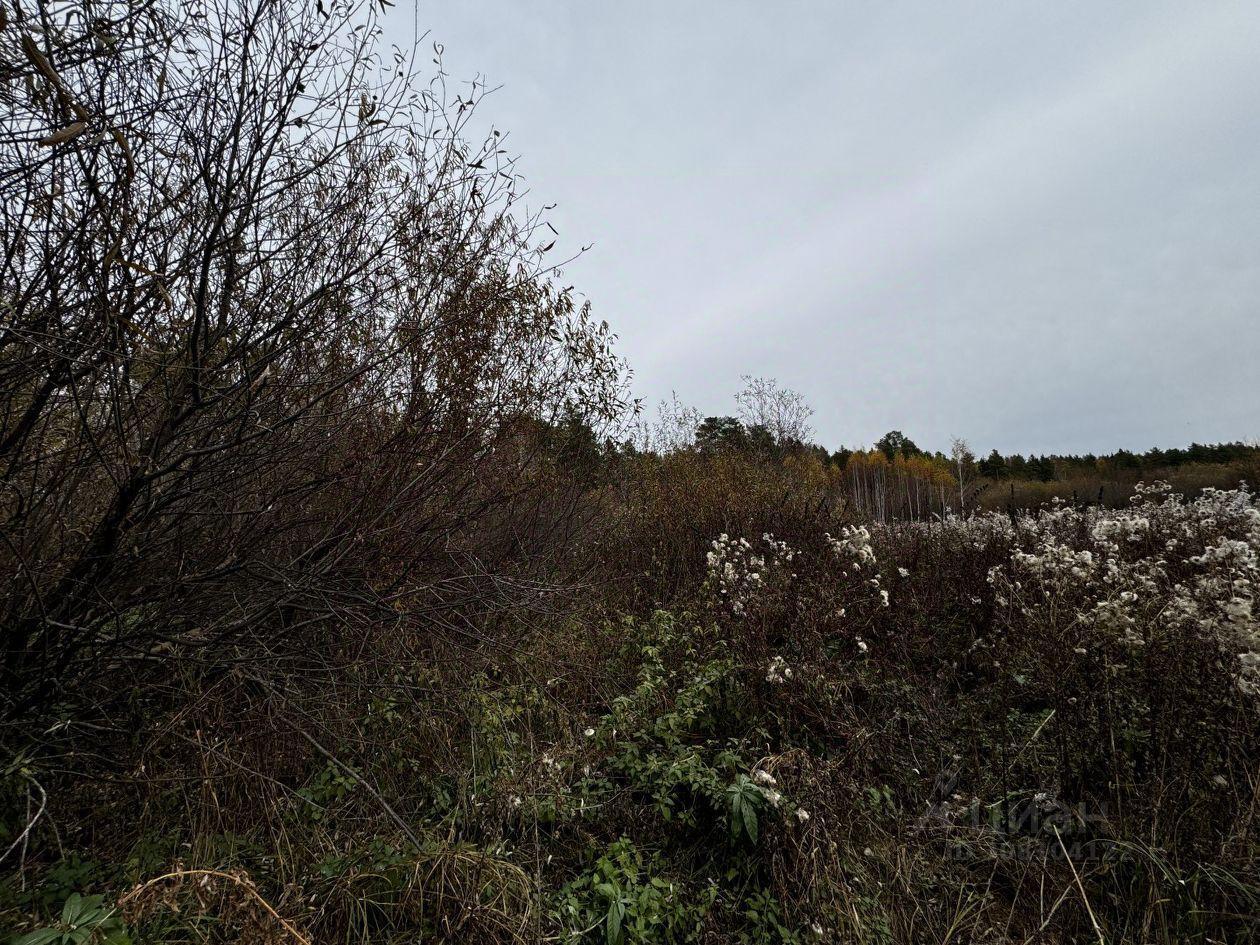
274	335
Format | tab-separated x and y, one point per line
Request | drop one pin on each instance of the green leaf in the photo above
70	911
38	937
750	822
615	912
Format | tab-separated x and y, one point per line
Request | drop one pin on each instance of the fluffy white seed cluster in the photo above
1130	575
855	549
1053	564
1118	580
769	788
740	570
854	544
778	672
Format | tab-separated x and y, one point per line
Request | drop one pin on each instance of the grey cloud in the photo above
1030	224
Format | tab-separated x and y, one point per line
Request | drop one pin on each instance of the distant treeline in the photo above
729	433
896	479
1054	467
1051	468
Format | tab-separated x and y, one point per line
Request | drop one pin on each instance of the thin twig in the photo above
1076	876
21	839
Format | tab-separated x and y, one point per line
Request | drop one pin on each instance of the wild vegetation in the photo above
344	600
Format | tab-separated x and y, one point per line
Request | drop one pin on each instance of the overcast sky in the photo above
1035	225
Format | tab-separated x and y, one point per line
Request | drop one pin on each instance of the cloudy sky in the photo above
1035	225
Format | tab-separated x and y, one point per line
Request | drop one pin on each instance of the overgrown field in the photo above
991	729
339	602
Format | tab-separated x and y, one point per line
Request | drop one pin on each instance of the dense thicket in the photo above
277	341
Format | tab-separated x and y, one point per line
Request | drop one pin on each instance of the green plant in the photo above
745	799
765	920
625	900
328	787
85	920
70	874
671	743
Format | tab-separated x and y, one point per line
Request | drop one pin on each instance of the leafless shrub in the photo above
781	411
275	338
